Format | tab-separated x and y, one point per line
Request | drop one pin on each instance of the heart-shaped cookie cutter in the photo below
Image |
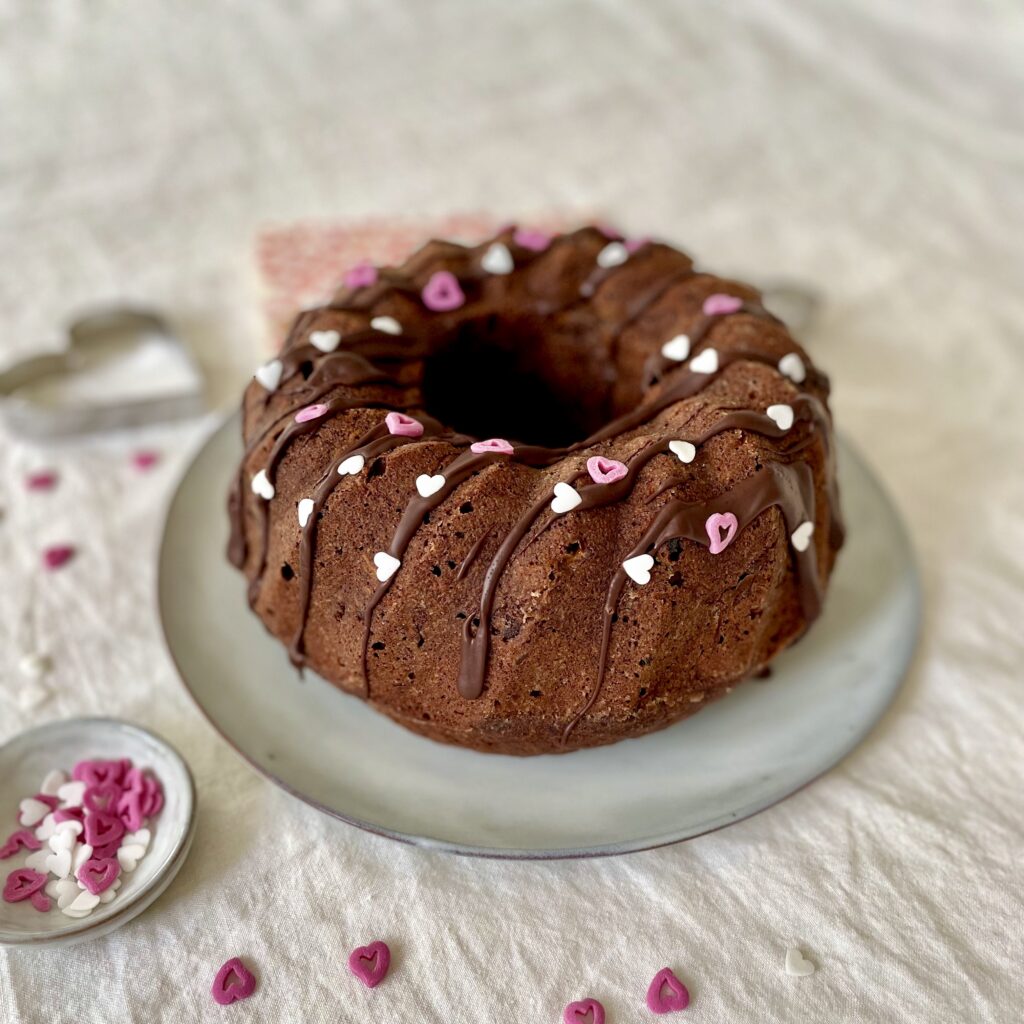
36	394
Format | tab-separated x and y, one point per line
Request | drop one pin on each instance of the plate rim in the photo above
654	842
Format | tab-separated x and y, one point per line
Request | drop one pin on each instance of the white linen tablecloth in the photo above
872	147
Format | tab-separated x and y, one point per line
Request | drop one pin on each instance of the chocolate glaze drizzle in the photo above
368	357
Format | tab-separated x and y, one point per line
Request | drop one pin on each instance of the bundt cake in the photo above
537	494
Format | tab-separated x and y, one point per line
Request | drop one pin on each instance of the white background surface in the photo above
873	147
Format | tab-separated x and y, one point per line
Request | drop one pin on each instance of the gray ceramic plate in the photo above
27	757
739	756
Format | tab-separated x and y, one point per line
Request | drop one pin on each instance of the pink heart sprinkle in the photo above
721	529
21	883
145	460
98	874
311	412
103	828
494	444
69	814
403	426
584	1011
531	238
442	292
104	852
152	798
44	480
23	839
41	902
58	555
102	798
370	963
98	773
129	809
234	981
605	471
51	801
134	779
360	276
719	304
667	993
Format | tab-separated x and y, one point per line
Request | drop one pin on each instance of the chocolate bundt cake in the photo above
538	494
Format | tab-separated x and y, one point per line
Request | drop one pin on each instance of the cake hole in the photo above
675	549
536	693
450	564
466	507
571	549
287	572
376	469
676	579
306	368
436	570
378	645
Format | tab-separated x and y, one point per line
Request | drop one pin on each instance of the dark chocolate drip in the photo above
471	557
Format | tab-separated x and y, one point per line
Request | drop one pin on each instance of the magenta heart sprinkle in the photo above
360	276
21	883
152	797
51	801
57	555
495	444
311	412
107	851
719	304
584	1011
145	460
41	902
532	239
23	839
69	814
234	981
102	798
442	292
401	425
98	874
44	480
667	993
98	773
721	528
370	963
103	828
129	809
605	471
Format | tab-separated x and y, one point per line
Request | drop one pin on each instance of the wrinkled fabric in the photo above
873	148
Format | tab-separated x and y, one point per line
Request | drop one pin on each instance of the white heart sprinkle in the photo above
35	666
638	568
706	362
79	857
47	827
792	366
497	260
678	348
269	374
140	838
326	341
68	825
387	565
37	861
84	903
262	486
797	964
566	498
685	451
802	536
782	414
108	894
59	863
31	811
352	465
65	839
63	890
71	794
386	325
306	507
428	485
612	255
53	781
129	856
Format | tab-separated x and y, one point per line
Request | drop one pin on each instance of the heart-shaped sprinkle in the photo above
129	855
532	239
498	260
51	801
108	894
683	450
797	964
638	568
605	471
65	837
721	528
706	362
102	828
52	783
23	839
72	826
360	276
32	811
129	809
98	874
352	465
234	981
139	838
305	510
21	883
782	414
667	993
719	304
387	565
81	856
386	325
428	485
82	905
59	862
311	412
269	374
153	797
57	555
677	349
497	445
792	366
41	902
404	426
71	794
614	254
442	292
566	498
370	963
801	537
63	814
37	860
325	341
583	1011
63	890
48	826
262	486
42	480
102	798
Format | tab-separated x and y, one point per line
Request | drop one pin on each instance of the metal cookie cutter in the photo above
121	368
